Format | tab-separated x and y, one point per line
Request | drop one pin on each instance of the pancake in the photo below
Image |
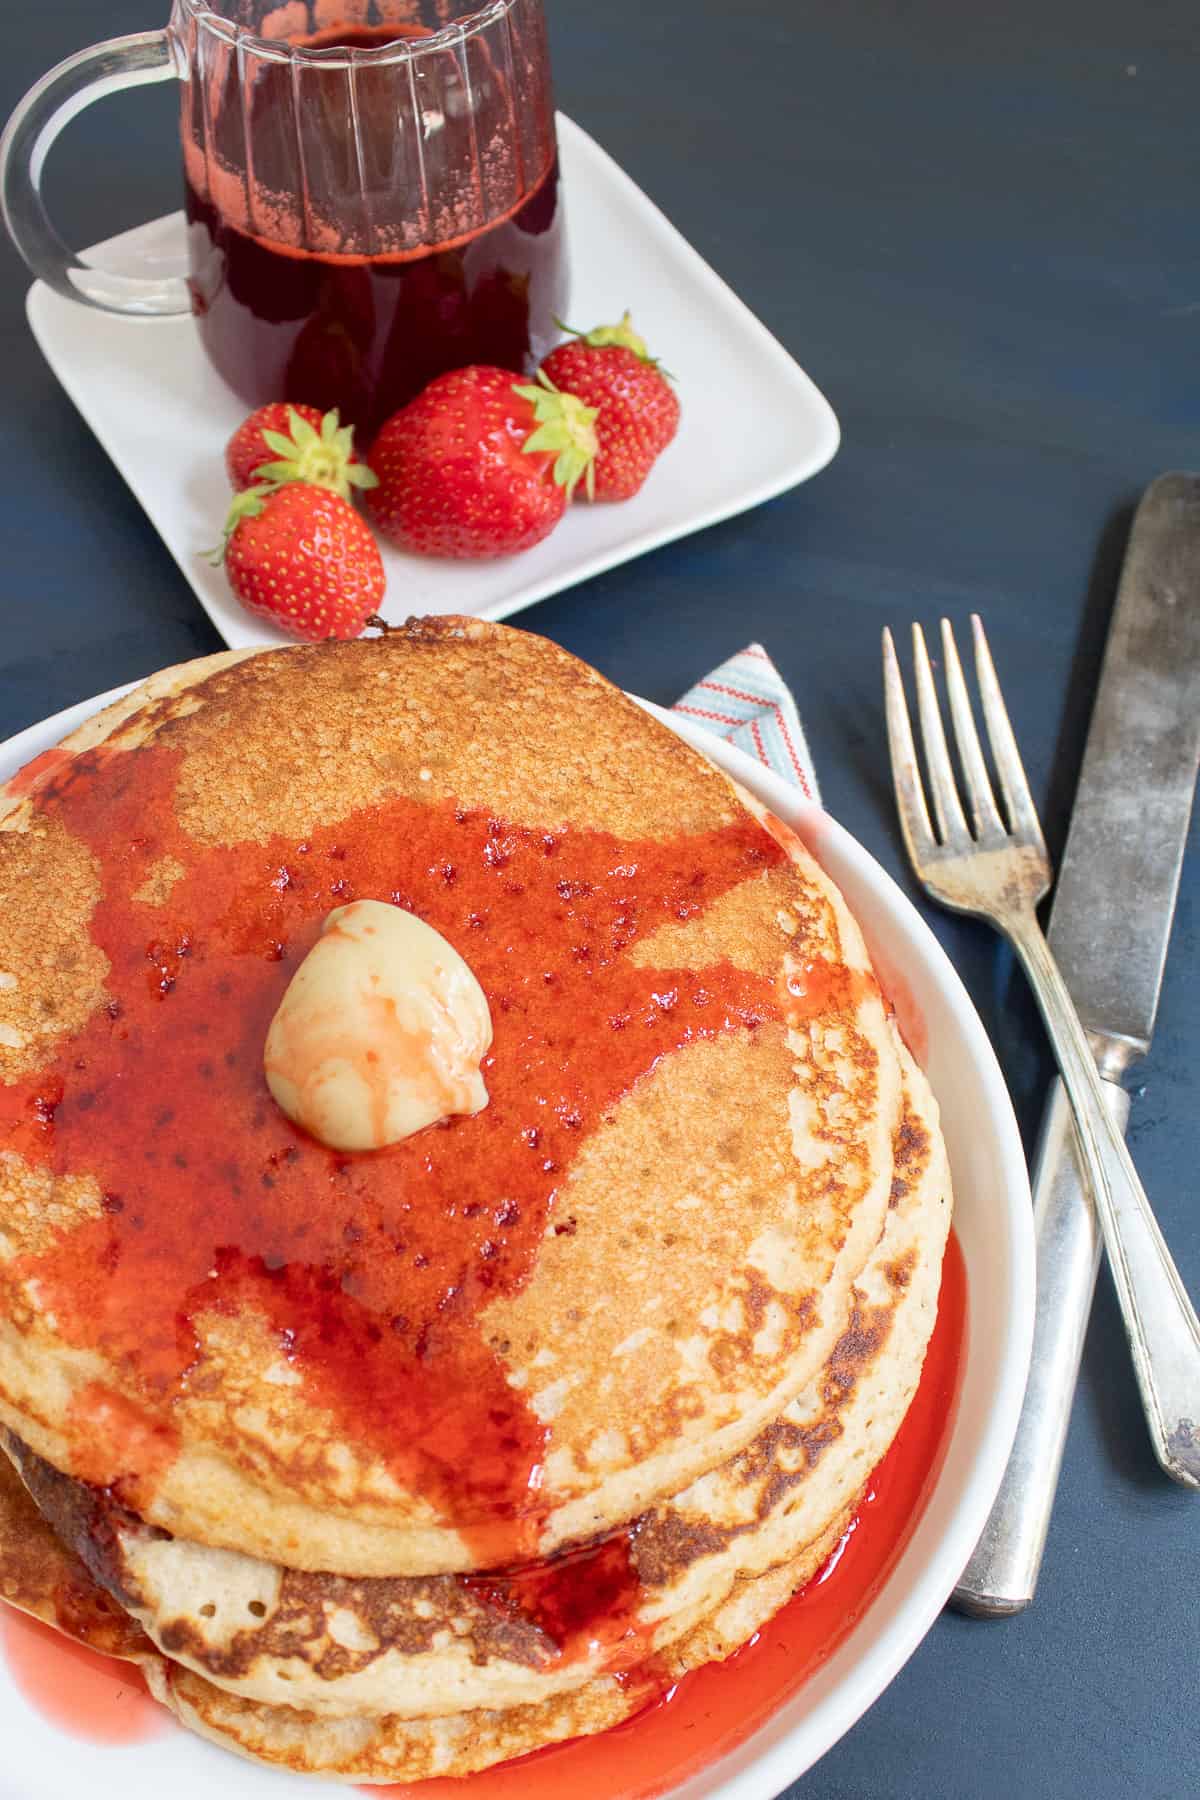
40	1577
423	1647
503	1336
384	1749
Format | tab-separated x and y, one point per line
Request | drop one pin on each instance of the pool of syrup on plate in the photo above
87	1695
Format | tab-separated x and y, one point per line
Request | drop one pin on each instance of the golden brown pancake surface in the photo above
504	1334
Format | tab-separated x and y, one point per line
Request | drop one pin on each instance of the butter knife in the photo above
1109	929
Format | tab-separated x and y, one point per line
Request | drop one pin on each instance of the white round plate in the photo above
993	1220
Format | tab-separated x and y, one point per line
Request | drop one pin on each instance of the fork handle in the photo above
1001	1577
1164	1332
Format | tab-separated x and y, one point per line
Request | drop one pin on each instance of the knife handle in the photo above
1001	1576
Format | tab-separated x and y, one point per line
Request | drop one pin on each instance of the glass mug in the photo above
371	189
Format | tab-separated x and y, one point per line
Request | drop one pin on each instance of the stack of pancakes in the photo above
397	1464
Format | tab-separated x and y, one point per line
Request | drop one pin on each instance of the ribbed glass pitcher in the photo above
371	190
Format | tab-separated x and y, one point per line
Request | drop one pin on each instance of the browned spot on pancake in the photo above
780	1458
900	1272
858	1346
910	1154
663	1545
437	696
406	1615
757	1297
731	1351
805	1445
41	1575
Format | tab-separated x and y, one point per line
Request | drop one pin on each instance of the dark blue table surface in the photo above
977	229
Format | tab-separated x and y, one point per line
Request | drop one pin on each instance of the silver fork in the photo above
999	871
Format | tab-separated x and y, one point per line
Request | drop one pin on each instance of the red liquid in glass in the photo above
367	333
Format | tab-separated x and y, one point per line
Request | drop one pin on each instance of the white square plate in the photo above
753	423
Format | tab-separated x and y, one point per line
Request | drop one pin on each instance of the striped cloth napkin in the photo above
747	702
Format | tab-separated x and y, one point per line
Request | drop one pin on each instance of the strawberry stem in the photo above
246	505
623	335
566	427
319	458
602	336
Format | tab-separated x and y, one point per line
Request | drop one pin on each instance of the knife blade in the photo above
1110	926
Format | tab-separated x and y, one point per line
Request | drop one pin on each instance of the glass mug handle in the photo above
49	105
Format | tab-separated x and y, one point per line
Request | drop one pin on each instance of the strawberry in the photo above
303	558
479	464
611	370
281	443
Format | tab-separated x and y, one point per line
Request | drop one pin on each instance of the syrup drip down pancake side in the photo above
750	1536
510	1332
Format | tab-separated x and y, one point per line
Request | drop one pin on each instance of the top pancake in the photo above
507	1333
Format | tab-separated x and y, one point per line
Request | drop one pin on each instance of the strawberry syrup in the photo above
371	1269
683	1727
85	1694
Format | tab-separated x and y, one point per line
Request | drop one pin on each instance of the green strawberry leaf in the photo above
320	458
302	432
566	427
281	445
359	476
249	504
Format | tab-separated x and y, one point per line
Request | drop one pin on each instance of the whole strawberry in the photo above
301	557
611	370
479	464
281	443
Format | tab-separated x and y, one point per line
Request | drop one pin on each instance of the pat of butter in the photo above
381	1031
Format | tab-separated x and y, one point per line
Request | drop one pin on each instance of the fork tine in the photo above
1017	799
970	751
906	776
952	826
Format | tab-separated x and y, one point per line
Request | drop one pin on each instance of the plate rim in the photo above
742	1774
789	1749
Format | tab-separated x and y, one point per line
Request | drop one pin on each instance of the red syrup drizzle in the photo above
371	1269
585	1602
34	772
88	1695
710	1712
680	1730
